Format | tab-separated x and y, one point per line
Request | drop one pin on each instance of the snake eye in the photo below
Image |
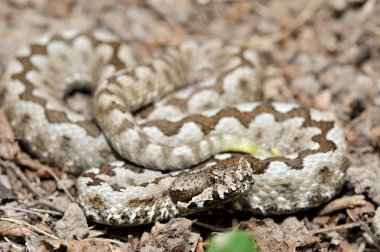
112	220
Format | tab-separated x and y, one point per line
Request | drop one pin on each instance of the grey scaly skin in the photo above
185	129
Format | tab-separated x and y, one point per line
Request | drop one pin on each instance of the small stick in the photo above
336	228
343	203
22	210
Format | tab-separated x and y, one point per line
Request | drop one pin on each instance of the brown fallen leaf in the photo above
357	212
39	244
13	230
343	203
9	246
73	224
348	247
173	236
288	236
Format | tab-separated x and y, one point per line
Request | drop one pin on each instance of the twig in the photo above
336	228
45	211
21	248
47	203
60	185
36	211
22	210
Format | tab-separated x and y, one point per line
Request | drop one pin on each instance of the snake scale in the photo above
184	120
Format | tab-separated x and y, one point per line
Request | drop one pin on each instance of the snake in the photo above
174	130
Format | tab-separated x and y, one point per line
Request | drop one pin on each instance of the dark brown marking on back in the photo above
95	179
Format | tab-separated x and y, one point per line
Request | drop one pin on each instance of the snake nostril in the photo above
325	172
243	84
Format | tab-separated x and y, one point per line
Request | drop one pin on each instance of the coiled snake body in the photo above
294	156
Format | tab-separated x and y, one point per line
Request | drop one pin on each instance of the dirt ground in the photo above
324	54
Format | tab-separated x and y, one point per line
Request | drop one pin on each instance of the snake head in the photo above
212	185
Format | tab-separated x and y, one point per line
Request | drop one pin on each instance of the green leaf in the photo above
236	241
